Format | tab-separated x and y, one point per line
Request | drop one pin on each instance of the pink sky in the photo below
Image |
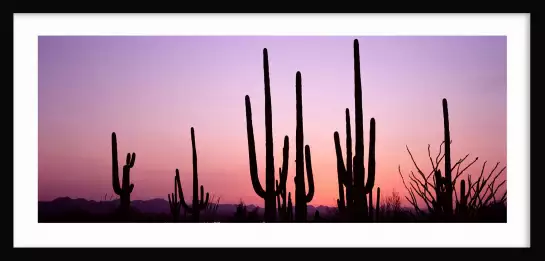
152	90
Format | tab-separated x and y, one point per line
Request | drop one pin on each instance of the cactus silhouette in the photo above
462	205
290	208
374	211
197	205
352	176
442	206
447	204
282	208
125	189
174	203
301	196
269	193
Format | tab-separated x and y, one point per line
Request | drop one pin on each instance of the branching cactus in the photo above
442	206
301	157
125	189
269	194
174	203
282	208
352	175
197	205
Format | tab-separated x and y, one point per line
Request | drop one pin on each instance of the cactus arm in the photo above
348	149
310	176
131	187
371	164
204	204
370	203
181	193
278	196
290	208
115	167
341	170
284	170
377	209
132	159
251	150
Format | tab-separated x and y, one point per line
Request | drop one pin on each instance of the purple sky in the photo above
152	90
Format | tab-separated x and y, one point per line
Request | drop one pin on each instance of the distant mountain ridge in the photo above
63	205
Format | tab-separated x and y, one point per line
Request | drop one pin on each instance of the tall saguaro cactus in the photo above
197	205
448	171
443	185
125	189
353	176
269	193
301	157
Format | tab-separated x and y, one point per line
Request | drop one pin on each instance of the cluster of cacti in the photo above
197	205
285	208
302	156
355	201
125	189
355	205
174	203
270	193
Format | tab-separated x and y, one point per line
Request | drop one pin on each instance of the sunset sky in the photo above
152	90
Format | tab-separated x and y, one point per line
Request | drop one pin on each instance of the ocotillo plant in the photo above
269	193
174	203
356	204
301	196
198	205
124	191
439	194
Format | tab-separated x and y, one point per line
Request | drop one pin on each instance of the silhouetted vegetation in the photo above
355	206
270	193
476	201
197	205
434	197
124	191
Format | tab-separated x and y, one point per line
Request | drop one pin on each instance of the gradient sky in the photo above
152	90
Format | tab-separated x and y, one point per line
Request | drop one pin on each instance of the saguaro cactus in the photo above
269	194
448	171
356	204
174	203
290	208
301	196
124	191
442	207
197	205
282	208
